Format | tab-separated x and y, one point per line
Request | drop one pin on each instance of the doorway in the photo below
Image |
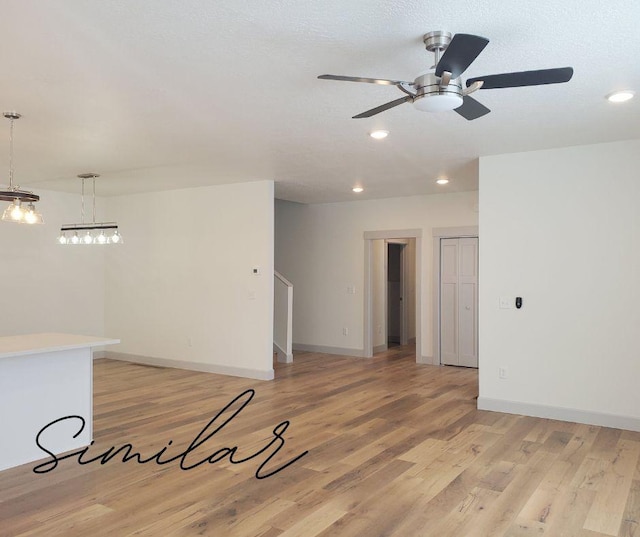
392	295
400	292
396	316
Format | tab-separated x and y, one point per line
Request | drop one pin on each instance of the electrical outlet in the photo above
379	329
345	331
502	372
189	342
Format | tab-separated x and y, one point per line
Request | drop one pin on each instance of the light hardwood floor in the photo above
395	448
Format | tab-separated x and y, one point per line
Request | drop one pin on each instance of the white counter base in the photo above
45	377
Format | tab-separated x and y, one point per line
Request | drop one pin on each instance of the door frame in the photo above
439	233
370	236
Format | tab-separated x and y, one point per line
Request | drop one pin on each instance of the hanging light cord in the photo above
11	155
93	177
82	209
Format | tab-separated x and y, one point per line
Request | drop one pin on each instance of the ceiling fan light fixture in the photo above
438	102
620	96
440	89
357	189
442	181
379	135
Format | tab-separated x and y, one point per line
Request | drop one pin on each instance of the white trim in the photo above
393	234
282	278
425	360
99	354
629	423
454	232
384	299
443	233
283	356
324	349
193	366
284	348
367	292
369	236
380	348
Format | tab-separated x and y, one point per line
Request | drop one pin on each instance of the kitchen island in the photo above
45	377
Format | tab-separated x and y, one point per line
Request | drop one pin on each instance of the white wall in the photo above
179	289
47	287
320	249
561	229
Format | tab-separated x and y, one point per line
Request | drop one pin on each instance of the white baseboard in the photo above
193	366
558	413
380	348
358	353
283	356
428	360
99	354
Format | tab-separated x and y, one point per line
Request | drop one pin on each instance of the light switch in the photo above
252	295
351	289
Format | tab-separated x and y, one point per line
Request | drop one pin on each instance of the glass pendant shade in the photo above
13	213
31	216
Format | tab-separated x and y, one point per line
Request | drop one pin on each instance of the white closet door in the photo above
449	301
459	302
468	302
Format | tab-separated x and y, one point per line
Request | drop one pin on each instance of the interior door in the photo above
459	301
395	292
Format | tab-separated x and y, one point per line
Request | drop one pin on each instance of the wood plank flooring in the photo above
394	449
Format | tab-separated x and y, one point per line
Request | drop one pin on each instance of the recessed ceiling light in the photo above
379	135
442	181
620	96
358	189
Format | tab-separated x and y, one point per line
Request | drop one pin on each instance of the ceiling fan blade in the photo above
384	107
380	81
472	109
463	49
525	78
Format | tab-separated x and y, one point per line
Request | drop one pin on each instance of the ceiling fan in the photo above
440	88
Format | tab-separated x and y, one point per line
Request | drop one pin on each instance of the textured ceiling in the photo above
158	95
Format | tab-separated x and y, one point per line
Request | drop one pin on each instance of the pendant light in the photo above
21	209
93	232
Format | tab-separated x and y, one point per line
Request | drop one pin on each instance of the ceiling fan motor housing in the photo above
432	97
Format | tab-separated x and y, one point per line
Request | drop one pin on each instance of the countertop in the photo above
48	342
